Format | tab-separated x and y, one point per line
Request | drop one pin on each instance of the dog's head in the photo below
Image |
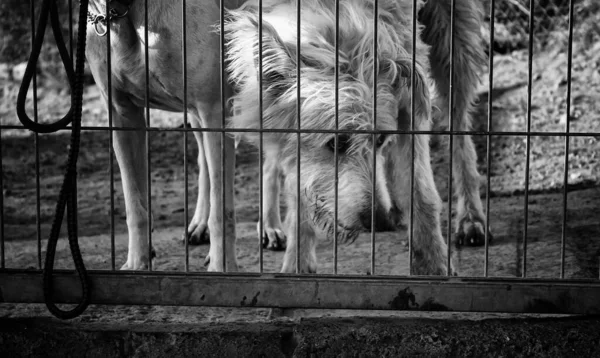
370	81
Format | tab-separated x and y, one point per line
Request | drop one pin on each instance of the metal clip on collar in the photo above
113	13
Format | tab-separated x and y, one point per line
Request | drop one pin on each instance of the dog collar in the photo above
116	9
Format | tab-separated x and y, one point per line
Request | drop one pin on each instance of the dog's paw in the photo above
431	269
306	269
309	267
197	234
289	266
471	232
212	267
138	264
135	265
272	238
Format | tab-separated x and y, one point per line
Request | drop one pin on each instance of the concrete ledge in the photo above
290	333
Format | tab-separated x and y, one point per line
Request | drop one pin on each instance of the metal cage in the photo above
523	293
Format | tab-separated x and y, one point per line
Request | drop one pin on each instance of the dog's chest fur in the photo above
164	39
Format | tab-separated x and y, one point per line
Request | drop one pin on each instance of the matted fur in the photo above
358	70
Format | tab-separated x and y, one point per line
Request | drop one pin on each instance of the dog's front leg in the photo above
272	235
130	150
428	246
197	231
307	239
218	182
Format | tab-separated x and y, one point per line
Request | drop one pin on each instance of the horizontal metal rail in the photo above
314	291
333	131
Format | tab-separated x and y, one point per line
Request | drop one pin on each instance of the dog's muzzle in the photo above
384	221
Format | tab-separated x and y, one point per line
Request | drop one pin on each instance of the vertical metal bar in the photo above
2	252
489	137
528	136
185	135
373	136
336	138
412	136
451	128
110	145
110	140
298	109
71	30
74	193
261	228
567	141
147	104
37	149
223	109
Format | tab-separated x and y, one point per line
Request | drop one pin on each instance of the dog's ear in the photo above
420	87
278	60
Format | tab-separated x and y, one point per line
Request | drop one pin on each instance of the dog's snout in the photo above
365	219
384	220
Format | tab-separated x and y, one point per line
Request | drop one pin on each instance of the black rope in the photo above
67	196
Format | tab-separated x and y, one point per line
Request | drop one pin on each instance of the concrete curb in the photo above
301	337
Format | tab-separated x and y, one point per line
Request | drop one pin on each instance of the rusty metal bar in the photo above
185	136
528	135
261	228
147	105
75	207
451	137
489	138
298	109
336	136
223	134
567	129
71	32
36	143
2	237
413	68
299	291
110	139
374	135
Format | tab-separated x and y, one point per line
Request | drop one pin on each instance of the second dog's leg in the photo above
428	247
197	232
272	235
307	239
468	58
220	181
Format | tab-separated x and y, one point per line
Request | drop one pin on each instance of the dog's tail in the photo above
468	36
468	48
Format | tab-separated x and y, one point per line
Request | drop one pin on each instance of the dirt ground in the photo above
21	229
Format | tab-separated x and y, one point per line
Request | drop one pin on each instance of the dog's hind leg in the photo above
429	250
221	178
197	232
468	59
272	236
